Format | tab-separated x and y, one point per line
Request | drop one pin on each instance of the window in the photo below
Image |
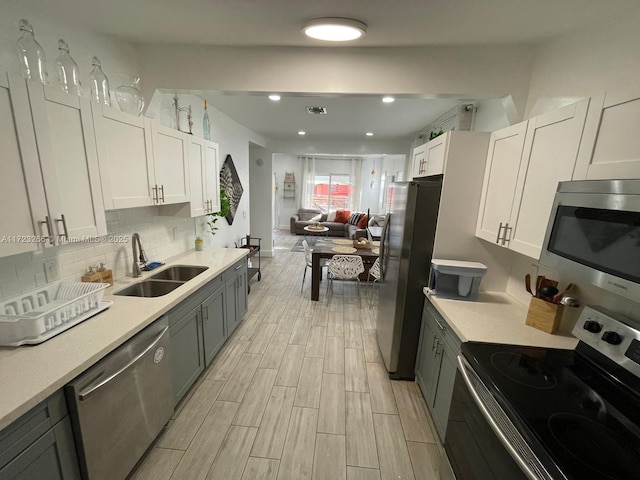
332	192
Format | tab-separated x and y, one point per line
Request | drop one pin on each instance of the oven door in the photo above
481	442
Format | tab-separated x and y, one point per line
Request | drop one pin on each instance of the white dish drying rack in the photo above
36	316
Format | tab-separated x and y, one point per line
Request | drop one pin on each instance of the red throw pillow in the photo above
362	223
342	216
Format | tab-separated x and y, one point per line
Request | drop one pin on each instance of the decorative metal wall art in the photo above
230	182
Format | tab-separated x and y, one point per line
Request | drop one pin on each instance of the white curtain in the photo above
308	178
356	182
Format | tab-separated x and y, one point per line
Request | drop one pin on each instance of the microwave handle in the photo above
483	399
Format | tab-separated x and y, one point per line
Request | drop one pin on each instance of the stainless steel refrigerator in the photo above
405	255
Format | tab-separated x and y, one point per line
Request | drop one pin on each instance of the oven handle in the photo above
465	368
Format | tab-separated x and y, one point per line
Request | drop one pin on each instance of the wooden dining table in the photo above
324	249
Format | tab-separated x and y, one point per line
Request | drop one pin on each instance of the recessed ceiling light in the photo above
369	134
388	99
334	29
274	97
302	132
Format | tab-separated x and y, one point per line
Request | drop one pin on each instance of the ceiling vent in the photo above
317	110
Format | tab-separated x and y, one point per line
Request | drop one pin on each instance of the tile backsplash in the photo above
161	237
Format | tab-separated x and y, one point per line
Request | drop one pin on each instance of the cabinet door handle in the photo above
499	230
47	223
64	226
507	230
162	190
205	312
155	193
439	349
435	343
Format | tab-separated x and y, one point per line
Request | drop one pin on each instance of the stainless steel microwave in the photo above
594	234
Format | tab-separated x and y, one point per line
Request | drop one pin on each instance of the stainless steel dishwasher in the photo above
120	404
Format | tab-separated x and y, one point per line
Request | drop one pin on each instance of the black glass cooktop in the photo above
578	418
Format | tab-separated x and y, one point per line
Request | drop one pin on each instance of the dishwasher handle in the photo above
84	395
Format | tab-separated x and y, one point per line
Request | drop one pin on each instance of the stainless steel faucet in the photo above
138	258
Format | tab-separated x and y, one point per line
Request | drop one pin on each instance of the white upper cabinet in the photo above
522	175
204	181
499	187
436	154
141	163
610	147
68	160
429	158
419	164
170	164
549	156
125	157
24	205
51	182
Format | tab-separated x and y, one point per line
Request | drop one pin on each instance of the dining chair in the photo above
308	262
344	267
374	272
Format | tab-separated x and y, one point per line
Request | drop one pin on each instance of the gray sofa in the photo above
303	218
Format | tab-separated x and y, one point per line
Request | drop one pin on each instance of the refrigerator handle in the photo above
383	246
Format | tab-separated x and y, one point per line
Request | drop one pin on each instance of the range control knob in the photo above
592	326
613	338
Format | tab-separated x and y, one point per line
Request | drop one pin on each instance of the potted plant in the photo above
225	207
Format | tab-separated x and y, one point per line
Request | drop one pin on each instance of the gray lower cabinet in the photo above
40	445
187	357
236	287
214	329
201	324
436	365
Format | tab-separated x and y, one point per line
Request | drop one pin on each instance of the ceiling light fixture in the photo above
369	134
302	132
274	97
388	99
334	29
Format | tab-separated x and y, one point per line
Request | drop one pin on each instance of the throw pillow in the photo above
316	218
355	218
331	216
342	216
362	223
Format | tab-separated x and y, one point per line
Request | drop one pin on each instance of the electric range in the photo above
556	414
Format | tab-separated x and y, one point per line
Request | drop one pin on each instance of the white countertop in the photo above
30	374
496	317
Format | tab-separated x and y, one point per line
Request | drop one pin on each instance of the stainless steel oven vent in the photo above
316	110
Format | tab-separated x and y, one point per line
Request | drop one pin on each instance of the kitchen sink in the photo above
150	288
181	273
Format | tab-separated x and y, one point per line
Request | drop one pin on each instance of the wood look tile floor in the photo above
298	392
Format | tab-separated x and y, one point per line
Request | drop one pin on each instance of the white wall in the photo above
592	60
461	72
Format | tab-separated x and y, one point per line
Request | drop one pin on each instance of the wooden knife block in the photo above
545	316
105	276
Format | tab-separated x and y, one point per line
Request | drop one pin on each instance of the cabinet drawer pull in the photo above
238	267
442	327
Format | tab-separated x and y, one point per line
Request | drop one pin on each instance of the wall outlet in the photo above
51	271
